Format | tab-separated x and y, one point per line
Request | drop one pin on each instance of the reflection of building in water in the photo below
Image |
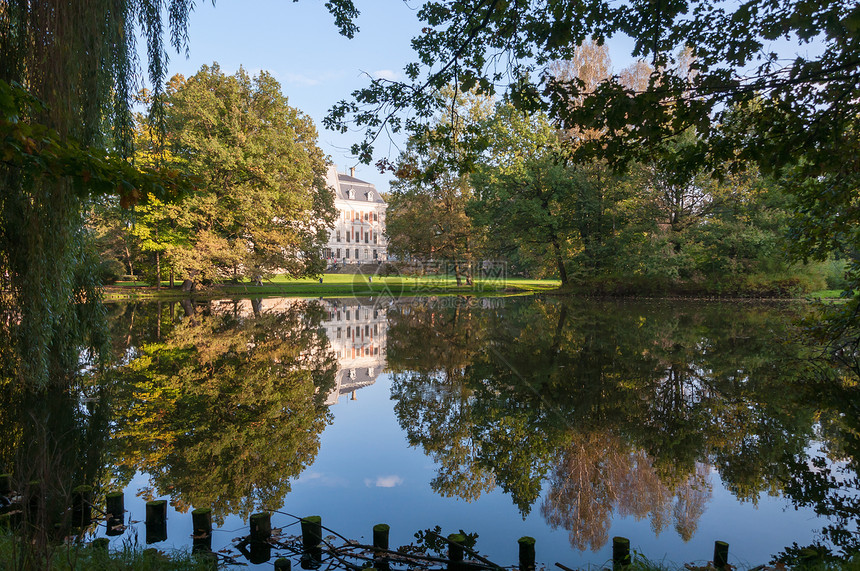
358	335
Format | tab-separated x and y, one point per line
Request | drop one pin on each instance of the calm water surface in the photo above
672	424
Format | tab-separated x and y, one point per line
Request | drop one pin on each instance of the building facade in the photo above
357	332
358	235
358	335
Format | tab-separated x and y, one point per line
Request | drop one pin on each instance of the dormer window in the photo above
370	196
350	193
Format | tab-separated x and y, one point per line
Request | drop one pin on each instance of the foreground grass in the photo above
89	558
345	285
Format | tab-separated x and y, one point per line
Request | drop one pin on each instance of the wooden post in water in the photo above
156	521
312	558
259	552
261	526
283	564
455	550
201	521
620	552
380	541
201	530
721	554
156	511
527	553
115	510
380	535
82	506
311	531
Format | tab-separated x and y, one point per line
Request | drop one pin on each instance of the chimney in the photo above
352	172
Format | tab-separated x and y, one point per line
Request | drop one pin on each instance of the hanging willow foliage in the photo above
77	59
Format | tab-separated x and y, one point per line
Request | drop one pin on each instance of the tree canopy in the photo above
262	203
714	70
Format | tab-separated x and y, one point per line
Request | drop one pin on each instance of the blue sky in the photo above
298	43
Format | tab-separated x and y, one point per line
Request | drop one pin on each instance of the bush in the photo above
110	271
834	274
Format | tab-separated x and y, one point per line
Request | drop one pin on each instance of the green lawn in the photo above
334	285
829	294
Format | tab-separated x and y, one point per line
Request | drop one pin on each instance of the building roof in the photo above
363	191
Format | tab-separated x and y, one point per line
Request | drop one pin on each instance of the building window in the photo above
375	255
375	217
356	253
347	252
338	332
338	251
366	237
337	236
370	195
376	238
365	216
347	317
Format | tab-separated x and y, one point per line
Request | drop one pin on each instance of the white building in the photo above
358	235
358	334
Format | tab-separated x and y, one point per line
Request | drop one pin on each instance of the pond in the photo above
673	424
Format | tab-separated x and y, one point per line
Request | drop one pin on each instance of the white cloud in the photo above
388	74
384	481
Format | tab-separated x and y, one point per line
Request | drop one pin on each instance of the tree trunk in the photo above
171	279
457	273
188	285
562	271
157	270
128	262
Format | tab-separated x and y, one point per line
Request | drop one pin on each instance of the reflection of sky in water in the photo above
365	473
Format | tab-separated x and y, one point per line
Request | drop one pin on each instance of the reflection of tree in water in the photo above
636	399
227	408
56	437
599	475
439	405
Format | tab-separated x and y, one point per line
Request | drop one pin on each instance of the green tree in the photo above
67	135
226	407
799	116
262	203
427	217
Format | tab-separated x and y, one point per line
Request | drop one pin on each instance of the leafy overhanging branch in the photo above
39	151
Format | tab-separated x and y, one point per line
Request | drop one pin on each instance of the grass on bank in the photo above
77	557
340	285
